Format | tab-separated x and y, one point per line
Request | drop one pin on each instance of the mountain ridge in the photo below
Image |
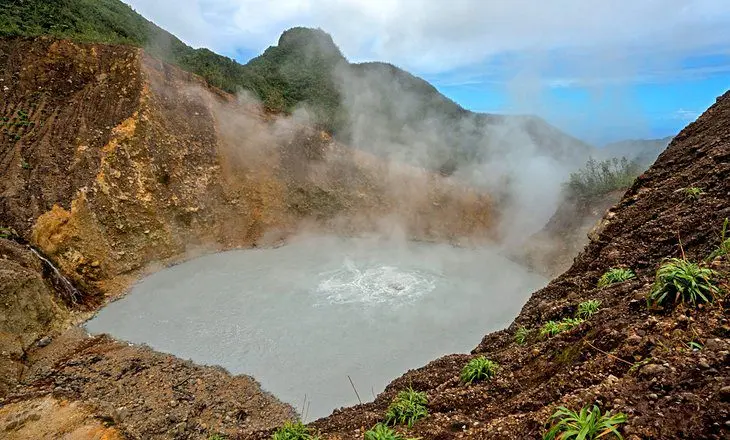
305	68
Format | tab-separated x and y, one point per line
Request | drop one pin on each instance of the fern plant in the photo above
552	328
294	431
586	309
521	335
407	408
383	432
584	425
477	369
679	280
693	192
615	275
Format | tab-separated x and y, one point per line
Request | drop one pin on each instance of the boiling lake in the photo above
303	317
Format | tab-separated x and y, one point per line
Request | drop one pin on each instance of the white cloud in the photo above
440	35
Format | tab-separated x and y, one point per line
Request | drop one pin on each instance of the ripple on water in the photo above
374	285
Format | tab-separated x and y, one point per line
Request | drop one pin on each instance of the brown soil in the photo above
145	394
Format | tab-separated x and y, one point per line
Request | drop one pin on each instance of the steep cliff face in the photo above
625	358
112	160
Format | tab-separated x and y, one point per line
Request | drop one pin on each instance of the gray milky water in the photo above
302	317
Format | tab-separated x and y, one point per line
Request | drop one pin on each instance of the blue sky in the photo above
602	71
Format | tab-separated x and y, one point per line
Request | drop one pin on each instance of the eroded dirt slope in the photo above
625	358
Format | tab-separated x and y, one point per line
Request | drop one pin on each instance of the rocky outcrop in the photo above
30	310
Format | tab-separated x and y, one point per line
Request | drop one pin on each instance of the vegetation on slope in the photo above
601	177
307	69
111	21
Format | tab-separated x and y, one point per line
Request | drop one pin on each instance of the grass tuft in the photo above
477	369
615	275
586	309
723	249
584	425
693	192
521	335
552	328
217	437
407	408
294	431
679	280
6	232
382	432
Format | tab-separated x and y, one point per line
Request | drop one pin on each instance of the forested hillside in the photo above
375	106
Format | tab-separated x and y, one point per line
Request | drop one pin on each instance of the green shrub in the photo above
586	309
723	249
680	280
294	431
693	192
407	408
382	432
521	335
598	178
615	275
216	437
552	328
477	369
585	425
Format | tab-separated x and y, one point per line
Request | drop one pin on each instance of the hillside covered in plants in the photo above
306	69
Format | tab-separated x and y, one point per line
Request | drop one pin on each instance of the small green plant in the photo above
584	425
552	328
7	232
615	275
693	192
382	432
24	164
407	408
586	309
521	335
477	369
217	437
723	250
694	346
294	431
683	281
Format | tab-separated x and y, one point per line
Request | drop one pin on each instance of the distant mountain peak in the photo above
304	38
